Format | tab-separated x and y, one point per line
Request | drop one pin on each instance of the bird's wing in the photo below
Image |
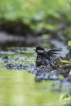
53	52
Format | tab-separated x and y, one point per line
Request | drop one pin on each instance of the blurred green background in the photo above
37	14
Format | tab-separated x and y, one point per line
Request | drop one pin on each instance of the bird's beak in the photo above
34	50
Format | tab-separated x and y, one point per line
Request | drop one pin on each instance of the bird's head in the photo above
40	50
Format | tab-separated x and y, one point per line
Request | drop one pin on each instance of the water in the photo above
17	84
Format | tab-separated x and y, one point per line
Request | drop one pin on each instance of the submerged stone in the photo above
5	59
9	66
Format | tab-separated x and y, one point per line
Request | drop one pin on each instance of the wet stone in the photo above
31	66
39	77
53	77
21	67
46	76
16	67
34	71
5	59
10	66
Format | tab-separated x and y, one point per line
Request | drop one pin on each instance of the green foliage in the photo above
65	61
37	13
69	43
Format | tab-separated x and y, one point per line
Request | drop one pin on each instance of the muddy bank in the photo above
20	34
11	40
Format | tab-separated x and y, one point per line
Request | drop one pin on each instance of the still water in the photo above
17	85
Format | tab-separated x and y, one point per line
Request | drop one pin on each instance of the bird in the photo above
46	56
41	58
